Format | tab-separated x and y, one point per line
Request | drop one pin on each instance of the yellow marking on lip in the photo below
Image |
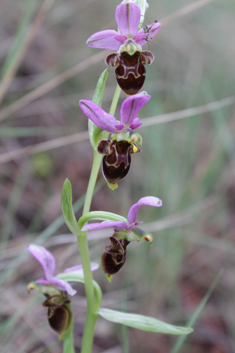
112	186
109	278
135	149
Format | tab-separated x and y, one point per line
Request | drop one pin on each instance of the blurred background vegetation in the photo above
187	160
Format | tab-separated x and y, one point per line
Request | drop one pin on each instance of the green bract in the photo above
94	130
141	322
67	208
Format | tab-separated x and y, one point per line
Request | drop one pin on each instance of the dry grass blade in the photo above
48	86
178	219
181	218
184	11
186	113
56	81
32	31
82	136
44	146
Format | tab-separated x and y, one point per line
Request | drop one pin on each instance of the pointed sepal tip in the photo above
109	278
112	186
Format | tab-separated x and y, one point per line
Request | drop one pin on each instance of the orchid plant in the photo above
113	142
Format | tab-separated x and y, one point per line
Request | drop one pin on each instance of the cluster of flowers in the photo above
129	60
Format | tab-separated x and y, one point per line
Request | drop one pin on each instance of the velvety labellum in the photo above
114	256
130	71
59	315
117	159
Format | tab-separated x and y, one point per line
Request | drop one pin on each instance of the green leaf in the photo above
94	130
142	322
99	90
100	216
197	312
67	208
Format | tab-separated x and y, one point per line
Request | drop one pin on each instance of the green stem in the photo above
115	100
98	158
93	301
93	177
92	315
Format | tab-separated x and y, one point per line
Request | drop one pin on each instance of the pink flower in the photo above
114	256
131	218
128	112
47	261
129	59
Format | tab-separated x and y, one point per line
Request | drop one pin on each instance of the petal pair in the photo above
128	112
47	261
132	215
127	16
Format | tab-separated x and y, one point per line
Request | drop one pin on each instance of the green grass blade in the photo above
197	312
13	203
16	53
19	38
51	229
32	131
